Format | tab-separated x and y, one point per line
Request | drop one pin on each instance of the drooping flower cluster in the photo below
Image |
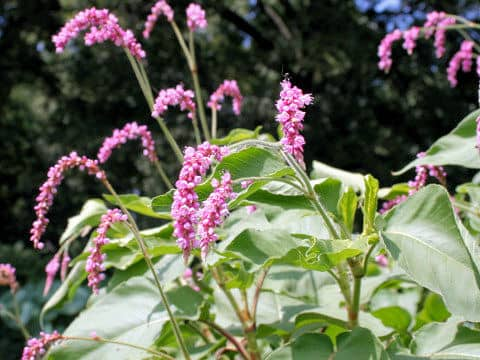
462	58
49	188
172	97
385	50
160	7
421	175
8	277
213	212
130	131
410	37
36	348
95	262
185	200
437	23
51	270
102	26
290	116
227	88
196	17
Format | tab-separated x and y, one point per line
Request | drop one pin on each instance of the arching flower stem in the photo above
162	173
138	237
147	93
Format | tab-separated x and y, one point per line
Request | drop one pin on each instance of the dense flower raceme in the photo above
51	269
185	200
213	212
436	23
8	277
36	348
172	97
102	26
161	7
227	88
290	116
49	188
421	177
95	262
462	59
196	17
130	131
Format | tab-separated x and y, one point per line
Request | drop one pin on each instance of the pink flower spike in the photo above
95	262
227	88
64	269
410	37
385	50
462	58
36	348
381	260
8	277
433	18
49	189
130	131
196	17
290	116
185	200
440	36
51	270
102	26
213	212
172	97
161	7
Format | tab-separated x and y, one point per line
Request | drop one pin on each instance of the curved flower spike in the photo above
227	88
160	7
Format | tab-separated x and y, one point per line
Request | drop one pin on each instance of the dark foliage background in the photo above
362	119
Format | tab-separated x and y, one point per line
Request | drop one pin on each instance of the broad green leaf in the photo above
394	317
305	347
347	208
89	216
370	204
360	344
394	191
449	340
280	200
139	204
354	180
142	320
455	148
237	135
163	203
435	250
67	290
329	191
433	310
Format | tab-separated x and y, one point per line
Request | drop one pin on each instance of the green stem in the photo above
147	93
228	336
143	248
314	287
214	122
162	173
18	318
353	313
196	130
367	256
158	354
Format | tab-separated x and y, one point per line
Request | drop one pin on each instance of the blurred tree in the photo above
362	119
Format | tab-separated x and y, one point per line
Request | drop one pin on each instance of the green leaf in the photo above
434	249
305	347
89	216
394	191
237	135
163	203
449	340
329	192
347	207
433	310
455	148
360	344
370	204
139	204
354	180
394	317
131	312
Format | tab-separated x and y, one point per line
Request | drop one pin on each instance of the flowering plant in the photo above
253	258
